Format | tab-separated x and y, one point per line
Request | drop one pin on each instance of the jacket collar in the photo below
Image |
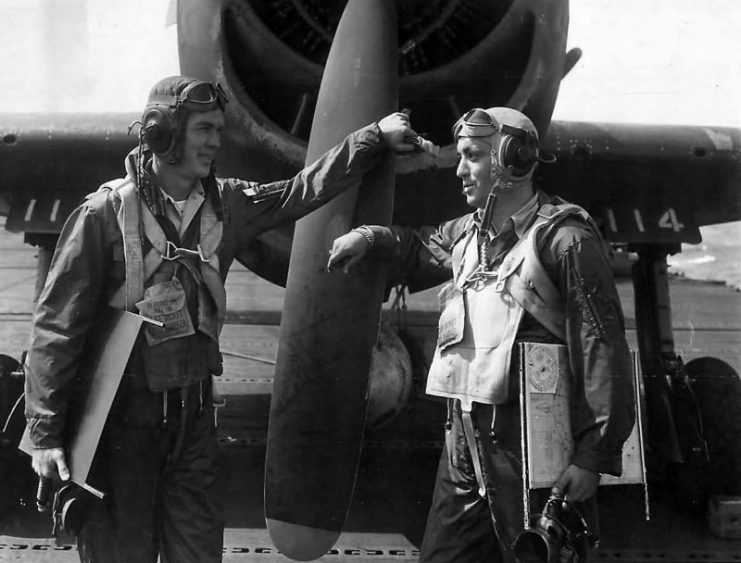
520	221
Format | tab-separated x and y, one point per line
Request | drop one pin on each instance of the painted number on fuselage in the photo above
53	214
668	220
55	210
639	220
29	210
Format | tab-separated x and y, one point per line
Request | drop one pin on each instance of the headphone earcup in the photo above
510	144
519	153
158	131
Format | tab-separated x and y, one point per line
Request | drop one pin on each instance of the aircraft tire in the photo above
717	388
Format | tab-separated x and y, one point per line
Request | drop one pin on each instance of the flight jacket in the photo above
573	255
88	266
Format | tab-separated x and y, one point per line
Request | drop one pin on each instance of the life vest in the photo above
482	310
162	360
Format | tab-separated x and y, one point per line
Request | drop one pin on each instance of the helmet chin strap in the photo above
502	186
504	181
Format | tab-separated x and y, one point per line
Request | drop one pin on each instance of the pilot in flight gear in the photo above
160	242
525	266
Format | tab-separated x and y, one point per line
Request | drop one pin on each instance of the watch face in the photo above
542	370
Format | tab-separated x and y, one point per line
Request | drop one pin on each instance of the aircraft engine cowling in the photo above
453	55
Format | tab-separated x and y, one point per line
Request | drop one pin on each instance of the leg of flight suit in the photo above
135	522
128	468
459	526
192	528
501	463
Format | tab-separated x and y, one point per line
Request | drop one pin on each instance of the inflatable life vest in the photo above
175	354
482	310
133	218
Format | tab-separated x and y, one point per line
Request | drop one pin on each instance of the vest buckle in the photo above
201	254
174	252
499	286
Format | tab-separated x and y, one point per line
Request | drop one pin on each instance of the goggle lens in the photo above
205	93
476	123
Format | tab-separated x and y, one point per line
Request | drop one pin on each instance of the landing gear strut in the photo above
693	409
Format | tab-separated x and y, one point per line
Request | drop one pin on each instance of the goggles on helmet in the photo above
198	96
476	123
479	123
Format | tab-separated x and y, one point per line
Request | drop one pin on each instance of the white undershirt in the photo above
182	212
180	206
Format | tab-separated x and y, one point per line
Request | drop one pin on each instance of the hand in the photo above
576	484
50	463
346	251
397	133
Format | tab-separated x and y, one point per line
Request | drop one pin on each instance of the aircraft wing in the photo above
647	183
643	183
49	162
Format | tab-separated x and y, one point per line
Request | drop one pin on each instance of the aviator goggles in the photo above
475	123
479	123
198	96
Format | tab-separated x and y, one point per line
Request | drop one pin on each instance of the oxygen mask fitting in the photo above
558	535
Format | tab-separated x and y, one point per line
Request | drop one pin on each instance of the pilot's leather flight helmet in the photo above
171	101
516	155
